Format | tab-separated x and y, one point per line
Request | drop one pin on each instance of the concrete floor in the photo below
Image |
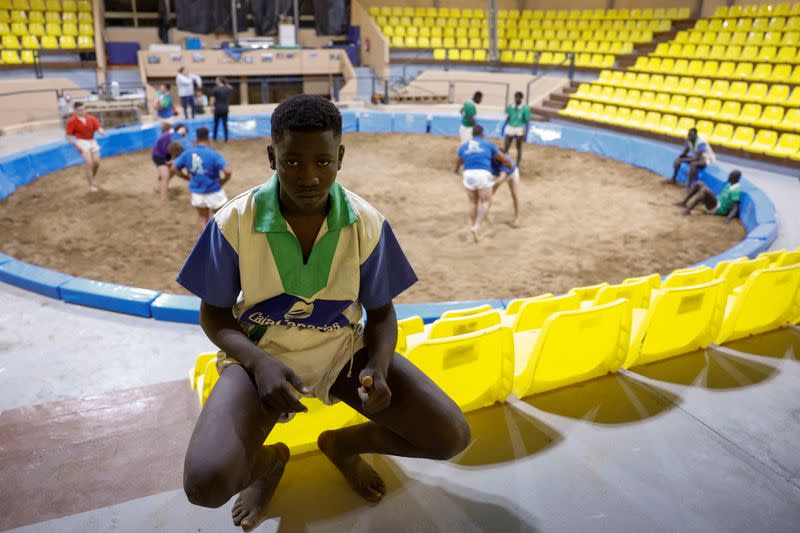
96	410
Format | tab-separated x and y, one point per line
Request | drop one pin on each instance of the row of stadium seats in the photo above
756	10
34	28
737	90
45	16
523	25
602	47
526	58
47	5
750	114
758	38
734	52
635	36
777	73
744	24
533	14
746	138
48	42
480	356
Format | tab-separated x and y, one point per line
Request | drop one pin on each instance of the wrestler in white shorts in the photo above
212	200
515	131
476	179
88	145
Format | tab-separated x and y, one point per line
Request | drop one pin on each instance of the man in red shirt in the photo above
80	133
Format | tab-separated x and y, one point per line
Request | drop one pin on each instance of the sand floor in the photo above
585	220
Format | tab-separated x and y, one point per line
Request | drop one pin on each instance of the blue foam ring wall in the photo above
18	168
33	278
7	186
349	122
109	296
369	122
445	124
5	258
410	123
176	308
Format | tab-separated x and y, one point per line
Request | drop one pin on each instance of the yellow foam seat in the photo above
572	346
766	301
533	313
475	369
787	145
736	272
679	320
636	292
67	42
686	277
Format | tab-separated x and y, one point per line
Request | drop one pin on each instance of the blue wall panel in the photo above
33	278
445	124
18	168
7	186
109	296
377	122
176	308
349	121
410	123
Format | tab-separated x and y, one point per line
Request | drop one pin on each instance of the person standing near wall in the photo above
163	103
187	84
80	133
222	100
468	112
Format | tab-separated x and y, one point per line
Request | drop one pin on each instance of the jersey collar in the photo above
268	217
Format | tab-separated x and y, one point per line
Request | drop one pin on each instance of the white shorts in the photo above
464	133
88	145
476	179
213	200
515	131
713	210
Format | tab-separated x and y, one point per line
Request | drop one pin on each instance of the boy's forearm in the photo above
223	329
380	334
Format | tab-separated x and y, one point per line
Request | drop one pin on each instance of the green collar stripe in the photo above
299	279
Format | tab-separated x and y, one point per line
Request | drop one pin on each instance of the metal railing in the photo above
570	59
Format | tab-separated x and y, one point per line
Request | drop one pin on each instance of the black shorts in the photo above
159	161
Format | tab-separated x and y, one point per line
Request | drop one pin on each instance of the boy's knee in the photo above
204	486
452	439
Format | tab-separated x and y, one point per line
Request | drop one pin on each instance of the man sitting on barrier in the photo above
697	153
726	204
510	175
478	155
283	271
80	133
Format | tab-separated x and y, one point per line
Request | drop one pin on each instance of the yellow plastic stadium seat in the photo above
711	107
737	272
677	103
10	57
459	313
516	304
730	110
788	144
750	113
69	5
30	42
668	125
726	69
459	325
588	292
49	42
782	73
53	5
679	320
705	128
572	346
19	29
12	43
69	29
788	259
762	71
764	142
636	292
72	18
741	138
475	370
67	42
687	277
53	29
772	257
535	311
766	301
85	18
771	117
85	41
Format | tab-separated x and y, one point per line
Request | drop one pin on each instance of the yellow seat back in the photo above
451	327
789	258
772	256
678	321
535	312
654	280
686	277
572	346
514	306
588	292
411	325
300	433
199	368
637	292
720	267
475	370
767	301
457	313
736	273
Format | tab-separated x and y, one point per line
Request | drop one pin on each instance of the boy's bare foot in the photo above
94	188
515	223
475	234
250	508
359	475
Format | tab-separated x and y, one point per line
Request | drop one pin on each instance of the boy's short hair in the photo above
305	112
165	126
202	134
77	105
518	93
477	130
735	176
174	149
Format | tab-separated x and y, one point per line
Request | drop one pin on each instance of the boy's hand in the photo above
374	392
275	382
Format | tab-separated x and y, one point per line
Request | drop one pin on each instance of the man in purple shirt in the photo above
160	158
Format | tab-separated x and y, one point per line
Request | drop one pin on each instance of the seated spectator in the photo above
724	205
697	153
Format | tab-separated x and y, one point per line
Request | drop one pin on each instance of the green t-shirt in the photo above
729	195
518	116
467	112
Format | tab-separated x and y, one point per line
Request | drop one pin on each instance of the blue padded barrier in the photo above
492	127
410	123
7	186
746	248
176	308
755	208
432	311
247	127
52	157
445	124
110	296
33	278
369	122
18	168
5	258
768	231
349	121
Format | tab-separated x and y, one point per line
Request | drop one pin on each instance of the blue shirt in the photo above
477	154
204	166
499	168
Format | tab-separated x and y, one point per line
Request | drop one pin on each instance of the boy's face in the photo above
518	99
307	163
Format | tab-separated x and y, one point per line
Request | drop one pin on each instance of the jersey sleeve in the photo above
386	272
212	269
493	149
71	127
526	113
95	123
180	162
